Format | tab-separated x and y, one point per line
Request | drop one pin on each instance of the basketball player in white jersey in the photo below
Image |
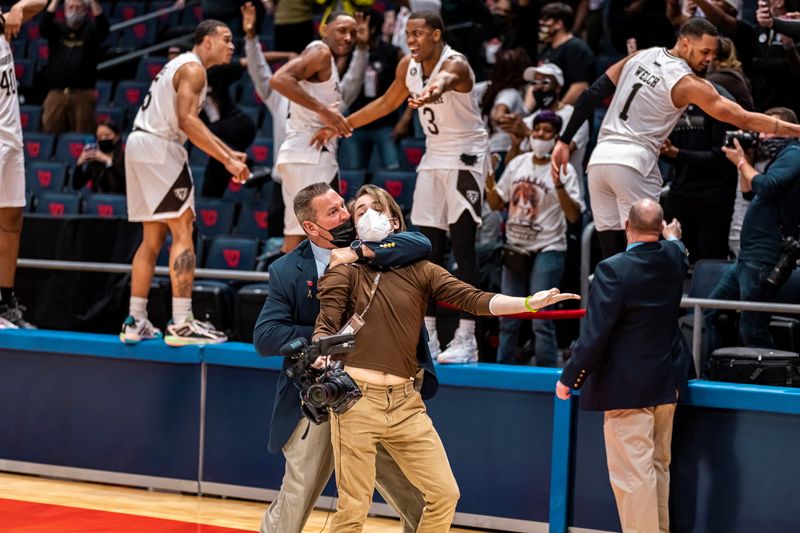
653	87
312	84
438	81
160	190
12	163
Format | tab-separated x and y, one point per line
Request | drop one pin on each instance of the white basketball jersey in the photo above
455	134
641	115
10	126
303	123
158	114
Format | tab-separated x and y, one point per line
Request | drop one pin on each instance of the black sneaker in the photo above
12	314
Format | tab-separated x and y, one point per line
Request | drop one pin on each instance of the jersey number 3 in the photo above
623	115
433	129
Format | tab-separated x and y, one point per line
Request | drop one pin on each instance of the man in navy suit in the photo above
633	361
290	312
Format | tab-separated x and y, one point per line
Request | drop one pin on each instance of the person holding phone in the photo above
101	165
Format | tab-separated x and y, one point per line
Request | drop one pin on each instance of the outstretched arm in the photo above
693	90
20	13
453	76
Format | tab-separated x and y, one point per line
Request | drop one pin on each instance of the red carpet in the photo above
27	517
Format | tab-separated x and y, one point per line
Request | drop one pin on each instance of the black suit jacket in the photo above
291	311
630	353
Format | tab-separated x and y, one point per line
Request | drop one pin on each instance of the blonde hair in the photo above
384	199
726	55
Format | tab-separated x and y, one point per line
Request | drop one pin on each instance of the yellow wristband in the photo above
528	305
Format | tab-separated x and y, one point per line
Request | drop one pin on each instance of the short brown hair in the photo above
783	113
303	209
382	197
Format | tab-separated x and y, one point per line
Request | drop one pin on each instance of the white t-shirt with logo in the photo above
536	220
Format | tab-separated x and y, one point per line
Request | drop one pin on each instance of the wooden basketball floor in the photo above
33	504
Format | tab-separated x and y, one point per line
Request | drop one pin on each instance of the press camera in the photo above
747	139
790	253
321	389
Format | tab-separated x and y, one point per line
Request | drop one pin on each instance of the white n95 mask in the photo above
374	226
542	148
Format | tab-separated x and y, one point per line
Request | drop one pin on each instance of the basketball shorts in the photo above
296	176
12	176
442	196
158	180
614	188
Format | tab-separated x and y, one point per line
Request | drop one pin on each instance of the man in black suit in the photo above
290	312
633	361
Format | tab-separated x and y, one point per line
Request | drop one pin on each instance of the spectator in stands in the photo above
546	82
101	164
355	151
772	215
572	55
502	95
71	76
539	207
229	12
638	24
726	70
294	27
12	162
703	187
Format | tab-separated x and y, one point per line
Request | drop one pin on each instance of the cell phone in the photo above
90	143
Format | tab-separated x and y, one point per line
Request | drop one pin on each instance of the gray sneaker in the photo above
12	314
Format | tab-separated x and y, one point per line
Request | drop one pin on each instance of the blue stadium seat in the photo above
128	10
214	216
30	116
130	93
24	72
39	50
103	91
30	30
266	125
237	192
198	173
149	67
43	176
249	301
58	204
261	151
255	113
249	96
38	145
167	20
411	151
192	15
106	205
253	220
231	252
70	146
140	34
197	157
350	181
399	183
108	113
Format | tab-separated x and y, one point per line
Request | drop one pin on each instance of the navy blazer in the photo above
630	353
292	308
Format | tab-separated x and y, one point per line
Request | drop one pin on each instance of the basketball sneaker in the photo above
134	331
12	314
433	345
462	349
193	331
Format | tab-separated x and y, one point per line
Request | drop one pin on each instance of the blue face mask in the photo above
770	148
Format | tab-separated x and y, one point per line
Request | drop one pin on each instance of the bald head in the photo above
645	219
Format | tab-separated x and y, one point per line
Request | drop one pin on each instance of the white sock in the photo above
138	308
430	325
181	309
466	327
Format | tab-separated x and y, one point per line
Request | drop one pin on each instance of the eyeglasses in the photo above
542	83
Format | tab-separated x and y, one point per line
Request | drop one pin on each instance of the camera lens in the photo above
318	395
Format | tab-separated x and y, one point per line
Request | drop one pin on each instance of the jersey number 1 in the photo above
623	115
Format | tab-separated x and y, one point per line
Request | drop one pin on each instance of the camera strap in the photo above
356	322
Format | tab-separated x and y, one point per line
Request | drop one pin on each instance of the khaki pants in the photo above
638	450
309	465
68	110
395	417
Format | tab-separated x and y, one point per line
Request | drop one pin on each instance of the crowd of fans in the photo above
532	59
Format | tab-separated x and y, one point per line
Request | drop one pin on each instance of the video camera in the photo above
321	389
790	253
747	139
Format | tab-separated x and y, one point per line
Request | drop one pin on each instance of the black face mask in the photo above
106	146
544	98
343	234
770	148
